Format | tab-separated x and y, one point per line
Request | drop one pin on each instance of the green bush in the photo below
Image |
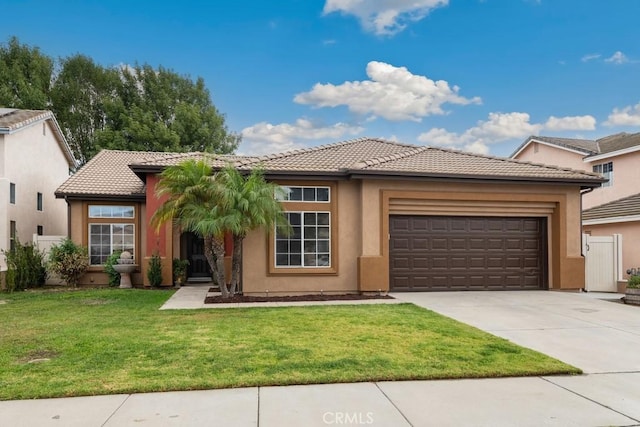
114	276
634	282
69	261
154	274
180	270
25	267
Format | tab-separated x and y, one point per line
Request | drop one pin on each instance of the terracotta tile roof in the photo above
12	120
328	158
627	206
172	159
108	174
114	172
432	161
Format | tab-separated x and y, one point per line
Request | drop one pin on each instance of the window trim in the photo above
302	240
300	206
303	187
130	218
138	229
110	224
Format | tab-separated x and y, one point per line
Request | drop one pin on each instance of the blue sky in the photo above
477	75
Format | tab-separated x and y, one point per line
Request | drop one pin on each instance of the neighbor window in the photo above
304	194
40	230
12	193
39	202
309	242
12	235
606	169
117	233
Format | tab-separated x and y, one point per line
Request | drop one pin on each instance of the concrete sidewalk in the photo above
601	337
486	402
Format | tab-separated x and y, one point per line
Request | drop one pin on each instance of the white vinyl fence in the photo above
44	243
603	262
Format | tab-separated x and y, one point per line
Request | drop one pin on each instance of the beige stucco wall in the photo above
363	233
257	280
626	180
630	232
33	160
548	155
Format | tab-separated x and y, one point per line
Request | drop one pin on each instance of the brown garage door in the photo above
445	253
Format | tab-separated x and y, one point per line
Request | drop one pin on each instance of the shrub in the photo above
25	267
634	282
154	274
69	261
180	270
114	276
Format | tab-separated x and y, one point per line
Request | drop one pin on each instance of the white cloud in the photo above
590	57
392	92
571	123
384	17
501	127
265	138
617	58
627	116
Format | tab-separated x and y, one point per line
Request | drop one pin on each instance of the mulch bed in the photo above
243	298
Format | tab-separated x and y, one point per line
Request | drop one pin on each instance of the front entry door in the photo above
198	265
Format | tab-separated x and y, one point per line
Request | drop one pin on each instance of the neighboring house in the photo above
34	160
368	215
612	208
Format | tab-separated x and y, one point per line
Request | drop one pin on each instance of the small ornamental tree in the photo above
69	261
154	274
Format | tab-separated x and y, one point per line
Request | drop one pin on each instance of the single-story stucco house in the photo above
368	215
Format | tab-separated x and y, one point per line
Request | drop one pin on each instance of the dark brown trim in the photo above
102	197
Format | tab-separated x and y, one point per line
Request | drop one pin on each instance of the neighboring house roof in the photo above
625	209
618	142
120	173
592	149
13	120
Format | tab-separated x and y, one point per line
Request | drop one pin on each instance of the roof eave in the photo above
603	156
99	197
595	183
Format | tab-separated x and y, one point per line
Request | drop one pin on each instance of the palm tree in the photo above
193	204
211	205
249	203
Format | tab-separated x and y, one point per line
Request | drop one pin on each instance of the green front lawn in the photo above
113	341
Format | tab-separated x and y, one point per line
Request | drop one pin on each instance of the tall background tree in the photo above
138	107
25	76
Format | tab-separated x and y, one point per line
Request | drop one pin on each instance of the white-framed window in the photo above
111	211
305	194
39	201
606	170
104	239
309	243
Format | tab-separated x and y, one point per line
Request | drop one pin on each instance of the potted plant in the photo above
632	294
179	271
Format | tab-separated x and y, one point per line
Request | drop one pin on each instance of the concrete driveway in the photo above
600	337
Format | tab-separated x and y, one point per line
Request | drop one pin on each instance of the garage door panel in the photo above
437	253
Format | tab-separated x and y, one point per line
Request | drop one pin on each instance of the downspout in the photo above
68	217
582	193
